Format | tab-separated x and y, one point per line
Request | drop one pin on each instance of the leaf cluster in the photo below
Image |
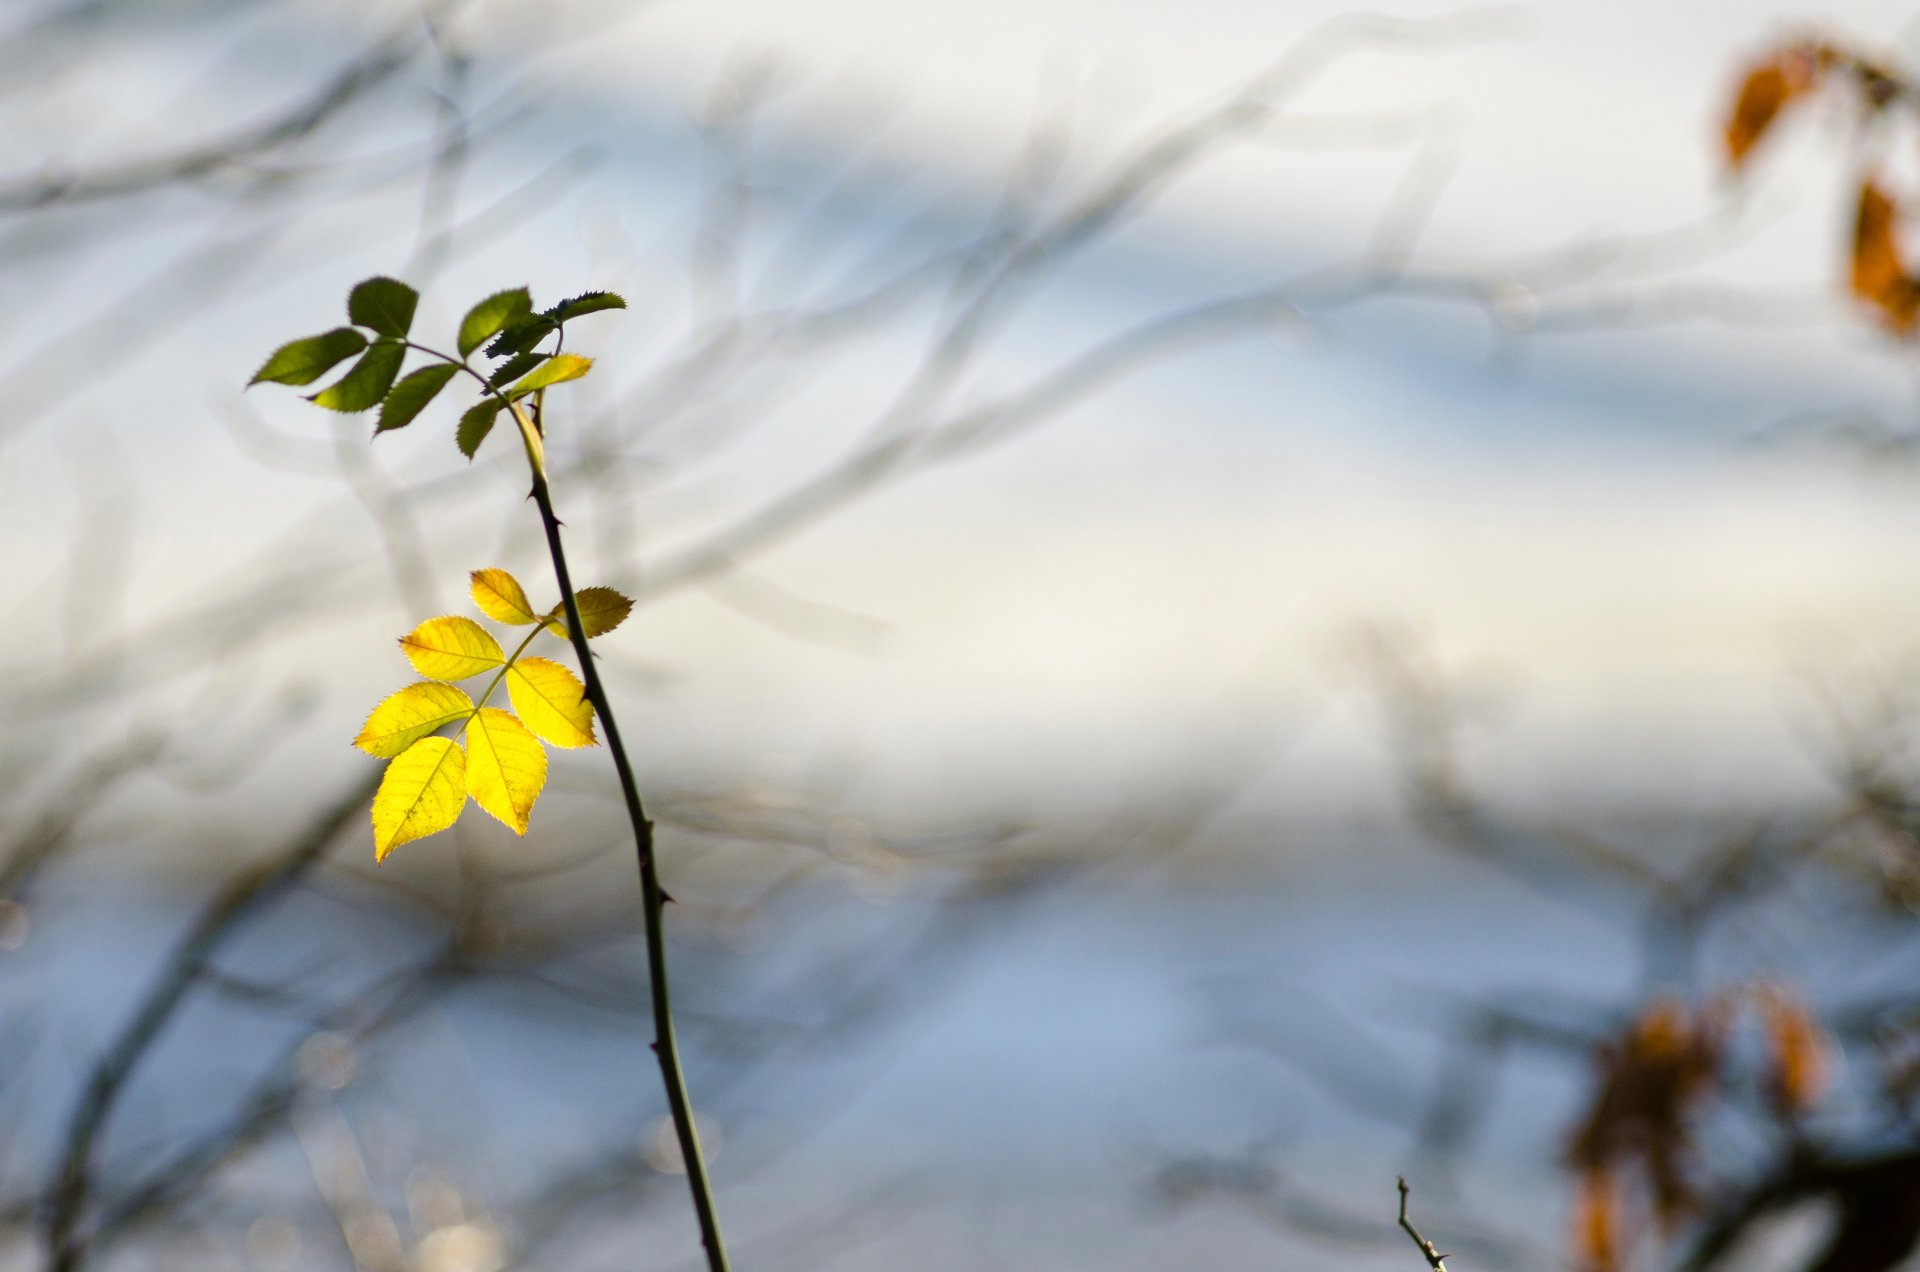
494	755
1640	1131
1880	277
503	328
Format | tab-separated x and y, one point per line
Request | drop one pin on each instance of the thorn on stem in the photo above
1435	1260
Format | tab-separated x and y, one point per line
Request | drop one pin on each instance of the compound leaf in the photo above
405	717
491	316
522	335
422	794
411	395
451	648
362	387
501	598
552	701
513	368
558	369
384	306
475	424
306	360
585	303
506	767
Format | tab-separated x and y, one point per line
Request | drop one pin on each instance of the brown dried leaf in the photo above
1879	275
1596	1222
1653	1079
1796	1050
1767	90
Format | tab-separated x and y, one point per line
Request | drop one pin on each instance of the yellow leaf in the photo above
405	717
506	767
500	598
601	610
451	648
422	794
551	701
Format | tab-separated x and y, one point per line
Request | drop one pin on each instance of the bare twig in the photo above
1435	1260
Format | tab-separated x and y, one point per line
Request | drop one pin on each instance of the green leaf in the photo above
513	368
304	361
385	305
475	425
558	369
491	316
411	395
522	336
361	388
585	303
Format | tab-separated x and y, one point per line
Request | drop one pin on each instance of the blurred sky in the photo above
1587	521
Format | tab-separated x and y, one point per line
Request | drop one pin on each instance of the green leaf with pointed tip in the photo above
522	335
304	361
475	425
514	368
362	387
384	305
411	395
492	316
585	303
558	369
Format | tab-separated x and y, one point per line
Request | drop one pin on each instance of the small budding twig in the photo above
1435	1260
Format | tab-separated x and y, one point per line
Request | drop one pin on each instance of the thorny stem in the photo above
1435	1260
653	897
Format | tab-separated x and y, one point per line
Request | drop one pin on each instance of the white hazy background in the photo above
1583	517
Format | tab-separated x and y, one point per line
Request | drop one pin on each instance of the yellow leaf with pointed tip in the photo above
451	648
601	610
501	598
506	766
405	717
422	794
551	701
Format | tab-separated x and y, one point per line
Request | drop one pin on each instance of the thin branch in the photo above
1435	1260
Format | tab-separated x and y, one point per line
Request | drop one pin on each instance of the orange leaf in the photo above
1879	275
1596	1222
1638	1130
1796	1048
1766	91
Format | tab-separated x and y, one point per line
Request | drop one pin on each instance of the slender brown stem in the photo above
653	898
1435	1260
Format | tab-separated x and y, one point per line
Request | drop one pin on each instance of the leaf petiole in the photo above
500	675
